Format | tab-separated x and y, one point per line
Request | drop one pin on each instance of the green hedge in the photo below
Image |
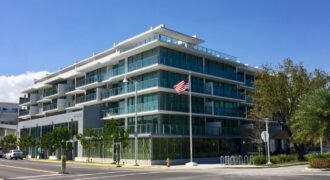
278	159
319	163
308	157
318	160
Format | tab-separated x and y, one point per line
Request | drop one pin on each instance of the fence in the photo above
237	160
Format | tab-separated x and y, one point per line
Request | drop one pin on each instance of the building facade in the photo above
8	119
156	59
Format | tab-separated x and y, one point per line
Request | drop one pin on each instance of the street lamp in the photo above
267	141
126	80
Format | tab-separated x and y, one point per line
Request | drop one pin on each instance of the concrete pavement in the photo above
37	170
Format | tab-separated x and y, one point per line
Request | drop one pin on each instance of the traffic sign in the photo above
265	136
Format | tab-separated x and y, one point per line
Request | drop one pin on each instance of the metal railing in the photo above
237	160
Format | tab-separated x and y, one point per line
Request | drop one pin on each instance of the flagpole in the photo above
191	163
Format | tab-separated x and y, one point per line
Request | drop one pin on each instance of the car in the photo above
14	154
1	152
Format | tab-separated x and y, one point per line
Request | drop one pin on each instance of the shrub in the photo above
308	157
319	163
259	160
278	159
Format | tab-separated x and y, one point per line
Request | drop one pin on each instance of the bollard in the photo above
168	162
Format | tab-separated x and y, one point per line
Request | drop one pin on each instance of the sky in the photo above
40	36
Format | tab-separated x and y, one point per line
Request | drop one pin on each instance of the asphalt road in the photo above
22	170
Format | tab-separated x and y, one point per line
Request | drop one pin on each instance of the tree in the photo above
255	135
89	139
26	142
311	121
9	142
278	91
46	142
113	133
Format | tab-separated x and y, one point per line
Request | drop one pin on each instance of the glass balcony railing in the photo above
90	79
49	92
198	48
141	107
50	107
143	63
113	111
140	43
23	100
23	112
129	88
70	87
241	96
70	103
86	98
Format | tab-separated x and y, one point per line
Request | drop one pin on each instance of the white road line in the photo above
120	175
77	175
26	177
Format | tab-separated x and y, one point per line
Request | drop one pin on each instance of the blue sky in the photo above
38	35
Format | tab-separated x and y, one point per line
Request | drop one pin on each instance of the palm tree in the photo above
311	121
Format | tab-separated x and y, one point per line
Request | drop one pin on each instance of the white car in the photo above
14	154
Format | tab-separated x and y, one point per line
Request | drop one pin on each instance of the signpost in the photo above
265	138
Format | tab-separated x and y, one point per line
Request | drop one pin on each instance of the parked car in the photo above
1	152
14	154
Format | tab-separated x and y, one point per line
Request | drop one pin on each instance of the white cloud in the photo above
11	86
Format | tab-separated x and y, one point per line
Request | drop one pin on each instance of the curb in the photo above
97	164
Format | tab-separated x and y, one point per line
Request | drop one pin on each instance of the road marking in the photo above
120	175
77	175
28	177
30	169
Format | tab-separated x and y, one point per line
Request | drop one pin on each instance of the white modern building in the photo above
102	87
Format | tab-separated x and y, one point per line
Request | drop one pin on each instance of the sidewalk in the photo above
200	166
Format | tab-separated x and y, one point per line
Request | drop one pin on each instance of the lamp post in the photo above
267	141
135	121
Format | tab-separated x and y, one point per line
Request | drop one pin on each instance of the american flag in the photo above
181	86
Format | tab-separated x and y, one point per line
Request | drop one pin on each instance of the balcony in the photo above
86	98
23	100
197	48
129	88
56	91
143	63
91	79
141	107
49	107
23	112
70	103
50	92
70	87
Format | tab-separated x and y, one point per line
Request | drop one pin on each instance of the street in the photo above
26	169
